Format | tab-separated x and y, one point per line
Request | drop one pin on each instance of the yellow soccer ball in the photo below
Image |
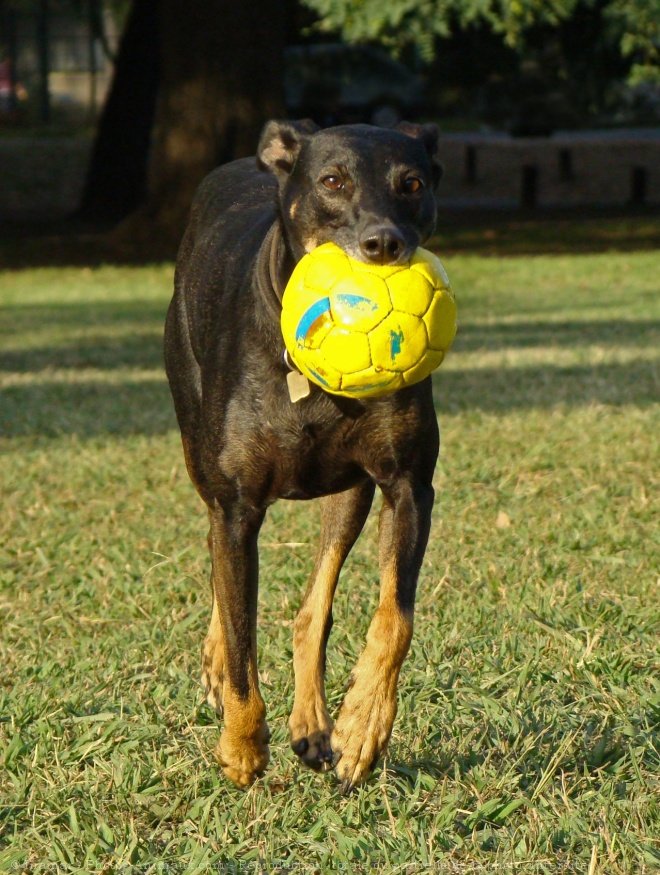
363	330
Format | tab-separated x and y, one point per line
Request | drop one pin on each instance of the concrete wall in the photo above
613	168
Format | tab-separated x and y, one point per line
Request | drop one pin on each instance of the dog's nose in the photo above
383	245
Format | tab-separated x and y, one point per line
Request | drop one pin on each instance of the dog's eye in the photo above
412	184
333	183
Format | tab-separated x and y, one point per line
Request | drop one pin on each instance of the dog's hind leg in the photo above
342	517
365	721
231	646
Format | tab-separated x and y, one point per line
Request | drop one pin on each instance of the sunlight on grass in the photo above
528	732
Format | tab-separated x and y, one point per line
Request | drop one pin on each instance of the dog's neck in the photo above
274	266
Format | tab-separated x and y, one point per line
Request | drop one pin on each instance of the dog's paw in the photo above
361	733
243	760
310	740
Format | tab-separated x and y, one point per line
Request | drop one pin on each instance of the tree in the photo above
221	79
639	23
219	76
116	182
400	22
397	23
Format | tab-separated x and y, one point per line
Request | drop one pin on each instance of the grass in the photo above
528	731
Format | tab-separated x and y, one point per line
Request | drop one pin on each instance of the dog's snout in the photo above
382	245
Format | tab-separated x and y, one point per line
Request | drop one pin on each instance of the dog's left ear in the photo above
280	145
429	135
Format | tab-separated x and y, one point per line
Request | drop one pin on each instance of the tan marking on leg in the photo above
242	750
365	722
213	661
310	724
188	458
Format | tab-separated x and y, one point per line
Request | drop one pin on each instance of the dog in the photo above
246	443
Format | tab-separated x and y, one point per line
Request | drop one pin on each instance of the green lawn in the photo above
528	734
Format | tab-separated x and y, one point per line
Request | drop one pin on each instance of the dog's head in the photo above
369	190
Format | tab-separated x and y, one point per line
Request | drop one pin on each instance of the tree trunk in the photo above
116	182
222	74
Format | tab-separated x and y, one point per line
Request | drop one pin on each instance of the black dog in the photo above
246	444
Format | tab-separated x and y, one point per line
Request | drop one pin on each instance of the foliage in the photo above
397	23
639	21
528	734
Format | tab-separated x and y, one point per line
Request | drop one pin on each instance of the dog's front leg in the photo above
365	721
342	518
231	644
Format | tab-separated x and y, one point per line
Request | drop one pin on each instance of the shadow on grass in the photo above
143	406
524	335
546	231
101	314
50	392
139	350
86	409
68	244
140	343
498	390
484	232
137	342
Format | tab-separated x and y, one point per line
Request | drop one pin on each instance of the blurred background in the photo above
112	111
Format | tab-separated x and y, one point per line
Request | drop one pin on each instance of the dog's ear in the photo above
430	137
280	145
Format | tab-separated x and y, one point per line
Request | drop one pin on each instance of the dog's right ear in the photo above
429	136
280	145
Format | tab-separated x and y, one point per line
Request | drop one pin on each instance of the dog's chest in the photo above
291	450
314	450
